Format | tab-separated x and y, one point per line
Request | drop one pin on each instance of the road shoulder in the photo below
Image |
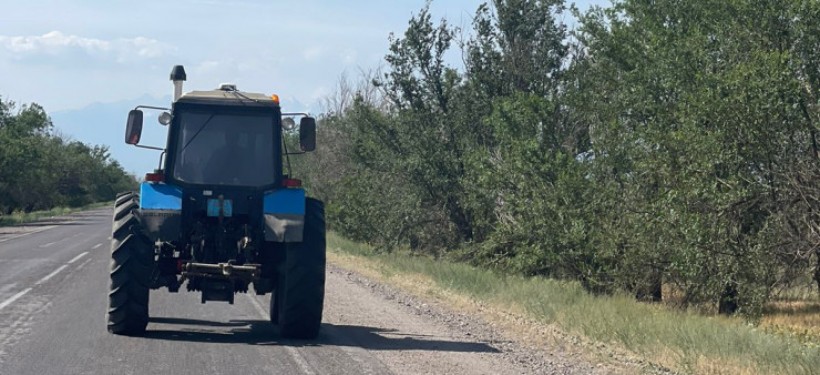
529	346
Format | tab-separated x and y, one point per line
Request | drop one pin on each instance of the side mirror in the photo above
307	134
133	128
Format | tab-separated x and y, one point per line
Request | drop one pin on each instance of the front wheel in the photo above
299	298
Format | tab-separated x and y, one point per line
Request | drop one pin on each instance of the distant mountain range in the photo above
104	124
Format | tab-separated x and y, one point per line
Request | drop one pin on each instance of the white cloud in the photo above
55	44
208	66
212	72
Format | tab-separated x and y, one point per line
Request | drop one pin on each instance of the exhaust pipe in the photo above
178	76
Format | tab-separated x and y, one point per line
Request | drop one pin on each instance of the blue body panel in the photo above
285	201
213	208
156	196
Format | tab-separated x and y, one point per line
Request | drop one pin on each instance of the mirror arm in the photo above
151	147
152	107
296	114
161	157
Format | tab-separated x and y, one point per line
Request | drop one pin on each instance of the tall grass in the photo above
684	341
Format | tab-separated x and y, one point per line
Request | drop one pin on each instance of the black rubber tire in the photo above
131	265
274	306
124	197
124	204
300	293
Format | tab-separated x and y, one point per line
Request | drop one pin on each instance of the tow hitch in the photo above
217	280
248	272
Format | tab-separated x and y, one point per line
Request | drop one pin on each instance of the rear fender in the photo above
160	210
284	211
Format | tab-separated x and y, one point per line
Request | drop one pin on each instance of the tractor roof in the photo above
228	97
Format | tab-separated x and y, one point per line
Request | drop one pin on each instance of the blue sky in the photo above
78	55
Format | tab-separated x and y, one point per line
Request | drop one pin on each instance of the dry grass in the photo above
796	313
799	319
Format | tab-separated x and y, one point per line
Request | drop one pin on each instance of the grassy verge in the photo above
682	341
797	318
27	217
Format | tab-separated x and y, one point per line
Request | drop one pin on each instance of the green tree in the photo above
39	170
693	109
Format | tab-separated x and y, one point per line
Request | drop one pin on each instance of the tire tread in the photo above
131	264
299	298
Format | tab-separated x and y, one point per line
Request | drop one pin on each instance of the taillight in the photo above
155	177
291	183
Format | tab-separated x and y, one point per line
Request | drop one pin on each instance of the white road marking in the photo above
300	361
96	246
13	298
83	264
44	279
76	258
49	276
294	353
48	244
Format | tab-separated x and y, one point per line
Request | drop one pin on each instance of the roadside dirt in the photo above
473	338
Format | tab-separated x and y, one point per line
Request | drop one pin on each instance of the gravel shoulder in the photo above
399	333
502	341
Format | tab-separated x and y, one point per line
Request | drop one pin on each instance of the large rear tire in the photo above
300	293
131	266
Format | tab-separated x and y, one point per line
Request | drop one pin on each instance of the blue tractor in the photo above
220	215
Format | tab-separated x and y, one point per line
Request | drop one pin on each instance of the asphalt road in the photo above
53	295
